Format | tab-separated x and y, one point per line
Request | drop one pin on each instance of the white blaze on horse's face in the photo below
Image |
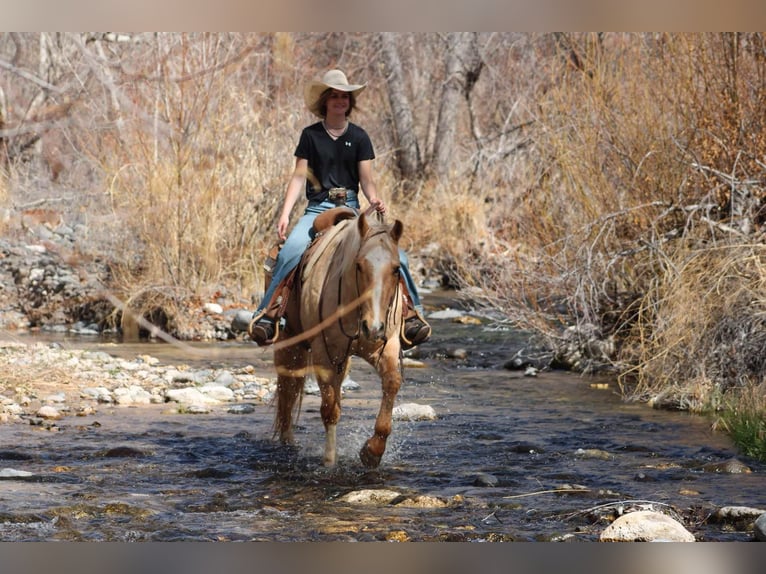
380	279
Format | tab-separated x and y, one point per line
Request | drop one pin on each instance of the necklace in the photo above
335	133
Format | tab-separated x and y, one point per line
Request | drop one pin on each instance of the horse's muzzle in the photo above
374	332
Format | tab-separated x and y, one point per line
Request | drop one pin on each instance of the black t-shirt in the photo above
333	163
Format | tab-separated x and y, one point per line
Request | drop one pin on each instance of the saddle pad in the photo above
320	245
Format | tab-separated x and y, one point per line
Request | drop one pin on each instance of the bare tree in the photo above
464	65
407	151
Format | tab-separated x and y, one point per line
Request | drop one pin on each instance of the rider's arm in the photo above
369	188
294	189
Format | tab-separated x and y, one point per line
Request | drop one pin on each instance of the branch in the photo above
29	76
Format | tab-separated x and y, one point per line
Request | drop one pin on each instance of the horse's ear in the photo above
363	225
396	230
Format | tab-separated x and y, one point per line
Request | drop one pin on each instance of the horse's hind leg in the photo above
389	369
290	363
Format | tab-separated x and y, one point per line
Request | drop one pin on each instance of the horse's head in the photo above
378	272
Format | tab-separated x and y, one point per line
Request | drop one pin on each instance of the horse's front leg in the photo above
389	369
329	386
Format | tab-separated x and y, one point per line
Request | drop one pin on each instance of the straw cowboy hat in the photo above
333	79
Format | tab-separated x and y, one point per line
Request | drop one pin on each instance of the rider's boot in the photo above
415	329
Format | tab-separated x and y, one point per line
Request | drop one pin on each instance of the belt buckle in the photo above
337	195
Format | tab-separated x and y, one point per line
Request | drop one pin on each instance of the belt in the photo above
338	195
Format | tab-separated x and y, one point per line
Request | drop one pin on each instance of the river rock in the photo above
738	513
450	314
100	394
13	473
760	528
414	412
458	353
217	392
243	409
132	395
731	466
189	396
486	480
646	526
213	308
371	497
48	412
241	321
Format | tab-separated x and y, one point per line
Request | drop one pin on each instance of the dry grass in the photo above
702	330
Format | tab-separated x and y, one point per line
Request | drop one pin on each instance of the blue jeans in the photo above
298	240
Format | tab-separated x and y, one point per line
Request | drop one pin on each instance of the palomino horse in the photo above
347	301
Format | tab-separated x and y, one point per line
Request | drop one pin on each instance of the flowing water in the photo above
508	458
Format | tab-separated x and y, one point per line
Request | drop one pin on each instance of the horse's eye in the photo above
397	271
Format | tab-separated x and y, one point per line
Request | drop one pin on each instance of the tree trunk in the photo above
463	67
407	150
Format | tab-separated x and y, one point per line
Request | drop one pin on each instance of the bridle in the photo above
396	296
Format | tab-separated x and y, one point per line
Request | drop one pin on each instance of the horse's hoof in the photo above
369	459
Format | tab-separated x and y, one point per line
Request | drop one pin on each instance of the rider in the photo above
332	159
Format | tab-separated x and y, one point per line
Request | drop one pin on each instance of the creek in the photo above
509	457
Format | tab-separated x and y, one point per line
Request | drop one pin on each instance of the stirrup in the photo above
415	330
264	332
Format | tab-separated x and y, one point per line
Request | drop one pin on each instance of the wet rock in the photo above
311	387
731	466
370	497
459	353
123	452
643	477
486	480
450	314
13	473
526	448
744	515
421	501
759	528
349	385
244	409
397	536
593	453
414	412
646	526
194	409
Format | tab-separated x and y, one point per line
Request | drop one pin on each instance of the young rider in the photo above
332	160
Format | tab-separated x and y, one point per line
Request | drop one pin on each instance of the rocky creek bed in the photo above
106	443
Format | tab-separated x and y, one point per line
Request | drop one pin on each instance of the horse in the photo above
347	300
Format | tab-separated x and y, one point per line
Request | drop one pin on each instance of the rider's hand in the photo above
282	227
380	207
